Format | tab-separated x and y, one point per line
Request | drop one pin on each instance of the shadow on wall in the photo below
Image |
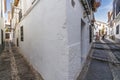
2	46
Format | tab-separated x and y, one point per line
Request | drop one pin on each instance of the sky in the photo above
100	15
102	11
8	7
8	4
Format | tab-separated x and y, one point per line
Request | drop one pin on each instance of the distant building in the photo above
7	31
8	28
55	36
111	25
116	19
101	28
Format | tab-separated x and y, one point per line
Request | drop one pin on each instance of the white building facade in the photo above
2	23
101	28
111	25
53	35
116	19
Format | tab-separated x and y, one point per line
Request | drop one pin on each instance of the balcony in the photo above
90	5
16	2
86	6
116	10
117	18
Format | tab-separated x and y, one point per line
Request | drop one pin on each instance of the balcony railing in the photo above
91	5
86	6
20	15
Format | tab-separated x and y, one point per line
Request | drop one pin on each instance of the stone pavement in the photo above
5	68
104	63
13	66
115	68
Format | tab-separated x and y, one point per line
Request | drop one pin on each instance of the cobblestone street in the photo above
104	62
13	66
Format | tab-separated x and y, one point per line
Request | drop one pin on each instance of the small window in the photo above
90	34
34	1
20	15
21	32
73	3
117	29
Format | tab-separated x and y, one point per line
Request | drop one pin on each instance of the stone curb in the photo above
113	69
14	71
86	66
37	75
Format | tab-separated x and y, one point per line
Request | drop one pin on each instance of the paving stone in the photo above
102	66
117	55
98	46
99	70
100	54
8	69
5	68
25	72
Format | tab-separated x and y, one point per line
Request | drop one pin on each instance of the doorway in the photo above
7	35
82	40
2	41
17	42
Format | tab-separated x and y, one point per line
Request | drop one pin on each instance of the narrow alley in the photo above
59	39
104	62
13	65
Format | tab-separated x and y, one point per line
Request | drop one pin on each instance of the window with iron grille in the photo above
20	15
90	2
34	1
90	34
117	7
117	29
73	3
22	34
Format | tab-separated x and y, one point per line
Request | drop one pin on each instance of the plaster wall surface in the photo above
45	39
78	37
52	38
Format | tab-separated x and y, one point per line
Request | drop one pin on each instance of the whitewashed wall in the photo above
52	39
2	24
77	51
45	39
